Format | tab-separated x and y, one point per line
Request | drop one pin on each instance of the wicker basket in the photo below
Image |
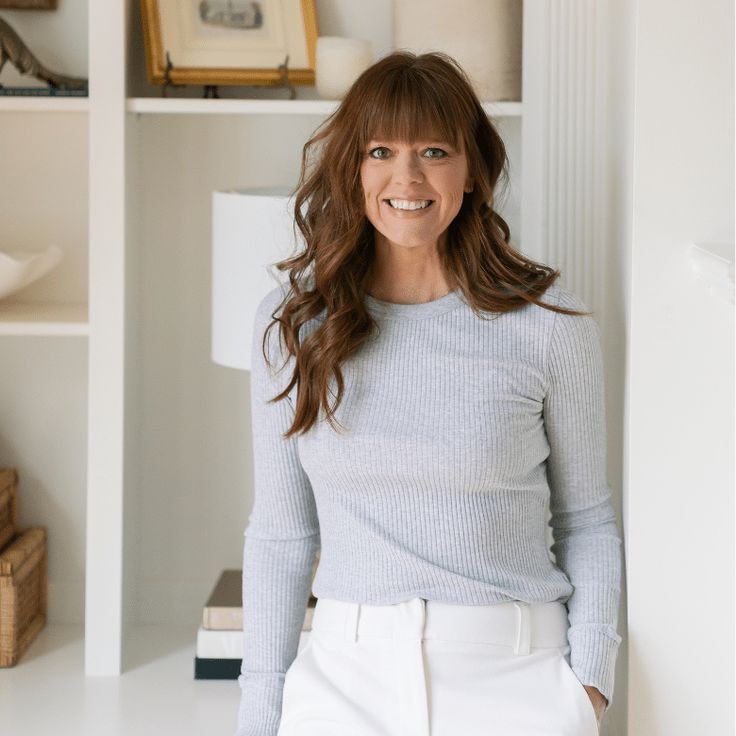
8	508
23	592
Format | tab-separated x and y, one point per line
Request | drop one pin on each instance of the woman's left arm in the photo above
587	543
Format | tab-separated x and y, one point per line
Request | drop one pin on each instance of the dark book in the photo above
216	669
41	92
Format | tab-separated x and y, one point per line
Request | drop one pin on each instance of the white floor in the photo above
47	693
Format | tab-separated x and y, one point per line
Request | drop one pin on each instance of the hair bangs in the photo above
407	108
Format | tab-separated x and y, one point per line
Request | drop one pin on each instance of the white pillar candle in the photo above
340	61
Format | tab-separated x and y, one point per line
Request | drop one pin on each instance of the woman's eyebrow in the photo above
427	142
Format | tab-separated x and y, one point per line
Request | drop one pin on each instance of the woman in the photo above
468	395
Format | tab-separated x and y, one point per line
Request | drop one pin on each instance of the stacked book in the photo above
219	651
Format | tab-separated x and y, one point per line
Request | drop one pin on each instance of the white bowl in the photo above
19	268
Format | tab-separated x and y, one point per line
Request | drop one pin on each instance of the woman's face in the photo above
396	176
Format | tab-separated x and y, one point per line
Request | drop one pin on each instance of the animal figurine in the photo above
14	50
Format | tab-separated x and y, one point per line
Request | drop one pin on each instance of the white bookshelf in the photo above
165	442
122	180
44	104
20	318
131	445
43	382
173	106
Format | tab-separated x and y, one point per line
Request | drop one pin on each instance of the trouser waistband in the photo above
517	624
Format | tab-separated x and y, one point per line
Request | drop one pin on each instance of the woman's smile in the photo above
408	207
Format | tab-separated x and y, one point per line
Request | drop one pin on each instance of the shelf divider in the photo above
43	104
26	318
210	106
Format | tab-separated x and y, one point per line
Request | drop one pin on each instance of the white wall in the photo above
679	413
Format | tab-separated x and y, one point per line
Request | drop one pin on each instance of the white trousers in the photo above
430	668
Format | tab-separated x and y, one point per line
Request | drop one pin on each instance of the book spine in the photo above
40	92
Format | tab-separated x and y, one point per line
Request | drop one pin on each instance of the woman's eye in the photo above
378	148
435	153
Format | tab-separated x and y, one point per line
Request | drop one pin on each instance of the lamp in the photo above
251	229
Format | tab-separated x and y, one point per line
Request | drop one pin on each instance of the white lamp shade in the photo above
251	230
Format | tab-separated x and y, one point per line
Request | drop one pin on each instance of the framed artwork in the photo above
229	42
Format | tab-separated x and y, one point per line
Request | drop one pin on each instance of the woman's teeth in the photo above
405	204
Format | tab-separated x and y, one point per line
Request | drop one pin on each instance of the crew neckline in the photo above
393	310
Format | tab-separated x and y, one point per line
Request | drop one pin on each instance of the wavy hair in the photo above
402	97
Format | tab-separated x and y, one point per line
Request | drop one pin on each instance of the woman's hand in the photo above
598	699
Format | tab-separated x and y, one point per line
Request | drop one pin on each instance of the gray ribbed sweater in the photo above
458	434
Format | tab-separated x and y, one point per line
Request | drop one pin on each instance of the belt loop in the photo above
522	645
409	620
350	628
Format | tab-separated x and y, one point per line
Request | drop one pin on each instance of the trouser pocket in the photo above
577	692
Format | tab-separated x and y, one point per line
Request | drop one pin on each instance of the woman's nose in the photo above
408	169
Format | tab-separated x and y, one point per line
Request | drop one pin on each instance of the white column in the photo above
574	184
104	573
563	141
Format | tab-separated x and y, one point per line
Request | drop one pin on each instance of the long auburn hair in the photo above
401	97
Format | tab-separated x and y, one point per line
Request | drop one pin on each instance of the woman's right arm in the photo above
281	541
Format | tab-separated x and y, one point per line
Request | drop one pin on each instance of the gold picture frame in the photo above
230	42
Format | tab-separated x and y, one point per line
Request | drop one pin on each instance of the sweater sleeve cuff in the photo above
593	651
261	695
